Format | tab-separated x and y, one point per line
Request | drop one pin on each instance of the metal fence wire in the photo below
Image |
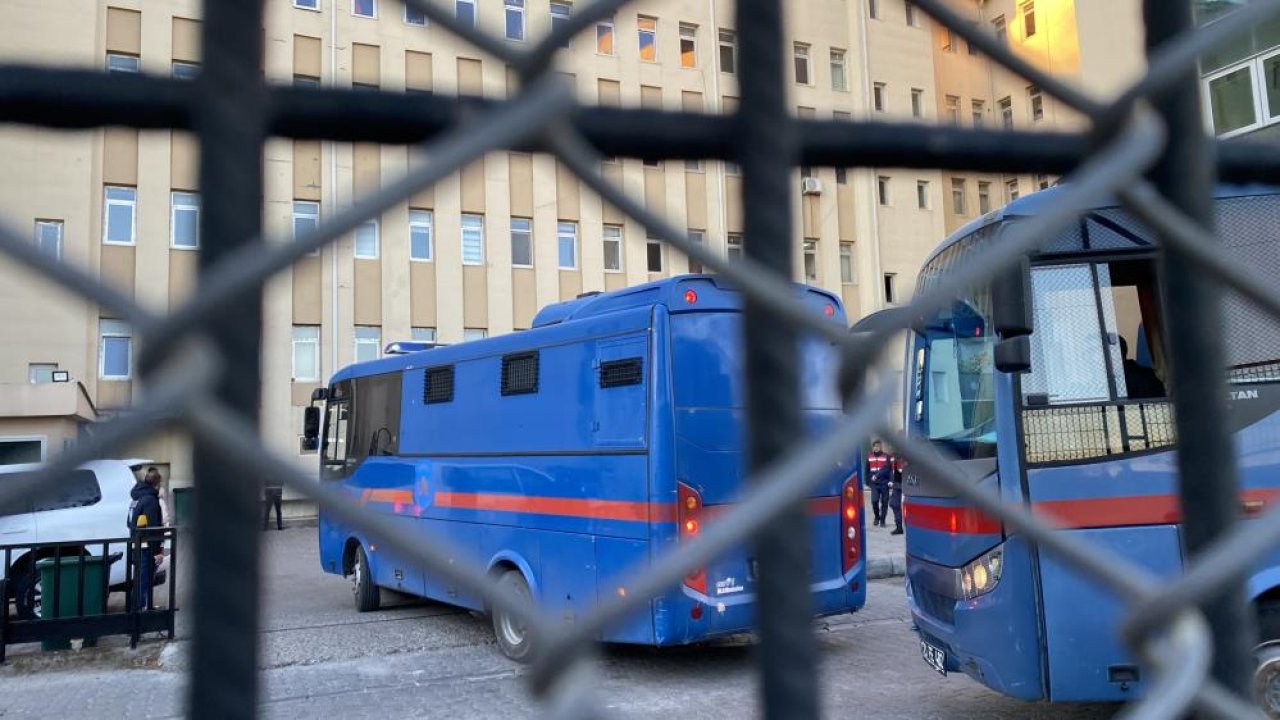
200	362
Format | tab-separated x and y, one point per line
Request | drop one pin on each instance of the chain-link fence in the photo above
200	367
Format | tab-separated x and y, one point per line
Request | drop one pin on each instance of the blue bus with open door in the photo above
1077	425
565	457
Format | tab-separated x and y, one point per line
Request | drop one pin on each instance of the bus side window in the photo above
1134	319
335	437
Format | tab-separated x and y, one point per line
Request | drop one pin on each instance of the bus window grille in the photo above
437	387
616	373
520	373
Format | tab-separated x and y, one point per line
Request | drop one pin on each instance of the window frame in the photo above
1006	112
612	28
839	69
1027	10
313	7
922	195
978	113
917	102
846	262
606	239
734	247
883	191
890	288
462	232
39	240
878	96
952	106
416	220
910	11
959	197
377	240
357	341
527	233
688	32
555	19
314	216
373	5
173	70
119	330
809	249
416	334
515	8
136	62
984	197
649	244
174	208
1012	190
731	44
1035	103
35	367
652	31
405	17
802	56
474	10
572	226
108	203
295	344
1255	65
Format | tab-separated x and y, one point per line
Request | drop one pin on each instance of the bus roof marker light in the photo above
690	297
829	310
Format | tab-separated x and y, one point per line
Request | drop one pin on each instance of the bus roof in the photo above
1036	202
682	293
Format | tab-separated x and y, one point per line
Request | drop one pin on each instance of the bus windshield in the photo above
955	379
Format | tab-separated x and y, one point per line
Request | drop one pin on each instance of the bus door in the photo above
1097	431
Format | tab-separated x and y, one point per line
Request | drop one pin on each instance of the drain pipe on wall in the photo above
877	290
715	109
333	196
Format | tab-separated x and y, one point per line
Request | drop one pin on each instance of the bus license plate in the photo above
935	657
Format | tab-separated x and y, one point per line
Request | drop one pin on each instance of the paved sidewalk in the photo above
886	553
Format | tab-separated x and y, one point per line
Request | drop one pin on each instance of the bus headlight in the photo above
982	575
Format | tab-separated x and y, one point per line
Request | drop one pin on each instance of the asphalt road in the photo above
418	659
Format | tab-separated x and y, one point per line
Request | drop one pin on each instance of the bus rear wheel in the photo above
362	586
512	633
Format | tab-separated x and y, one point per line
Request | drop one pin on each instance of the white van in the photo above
92	503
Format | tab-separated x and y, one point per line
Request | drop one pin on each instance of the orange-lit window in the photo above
688	45
647	28
604	37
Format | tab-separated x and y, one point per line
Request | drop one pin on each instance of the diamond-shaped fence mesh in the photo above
201	361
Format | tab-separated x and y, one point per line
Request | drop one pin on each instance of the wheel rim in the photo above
512	630
1266	682
357	577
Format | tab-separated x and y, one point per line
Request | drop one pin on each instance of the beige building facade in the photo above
480	252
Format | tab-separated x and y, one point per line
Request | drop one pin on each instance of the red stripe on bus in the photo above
1136	509
949	519
571	507
404	497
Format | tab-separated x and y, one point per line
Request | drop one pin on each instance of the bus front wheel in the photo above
512	633
362	586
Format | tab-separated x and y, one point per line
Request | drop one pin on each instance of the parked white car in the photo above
93	503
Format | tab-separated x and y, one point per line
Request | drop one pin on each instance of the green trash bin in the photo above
182	506
67	604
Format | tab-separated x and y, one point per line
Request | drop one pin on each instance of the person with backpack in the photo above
879	473
144	515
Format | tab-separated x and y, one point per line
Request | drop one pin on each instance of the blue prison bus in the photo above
564	457
1077	425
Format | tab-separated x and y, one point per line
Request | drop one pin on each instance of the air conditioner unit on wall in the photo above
811	186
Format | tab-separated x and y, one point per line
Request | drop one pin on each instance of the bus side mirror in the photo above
320	394
1013	355
1010	301
310	428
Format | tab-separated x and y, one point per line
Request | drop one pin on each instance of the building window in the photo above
560	12
514	13
873	9
472	240
957	196
1011	190
1002	33
651	163
728	52
306	218
1233	100
306	353
688	45
734	246
979	113
49	238
877	96
307	4
115	350
911	15
414	16
567	244
420	234
699	237
890	296
368	343
366	245
364	8
1006	113
811	262
184	220
917	102
846	263
647	29
469	334
800	52
653	254
185	70
922	194
882	190
119	215
1037	103
465	11
613	248
123	63
422	334
694	166
604	37
948	40
953	109
521	242
1042	182
842	176
732	168
838	79
306	81
40	373
984	197
1028	19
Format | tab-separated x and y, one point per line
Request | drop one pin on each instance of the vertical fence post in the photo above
766	146
230	117
1208	484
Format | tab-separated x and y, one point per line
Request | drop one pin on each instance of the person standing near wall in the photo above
879	472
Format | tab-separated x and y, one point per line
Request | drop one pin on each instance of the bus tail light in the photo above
689	516
850	534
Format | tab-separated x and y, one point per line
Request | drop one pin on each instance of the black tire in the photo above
1269	621
363	588
26	591
513	637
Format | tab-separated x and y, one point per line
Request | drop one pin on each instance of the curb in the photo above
886	566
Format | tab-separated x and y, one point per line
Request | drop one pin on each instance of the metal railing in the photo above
77	603
200	362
